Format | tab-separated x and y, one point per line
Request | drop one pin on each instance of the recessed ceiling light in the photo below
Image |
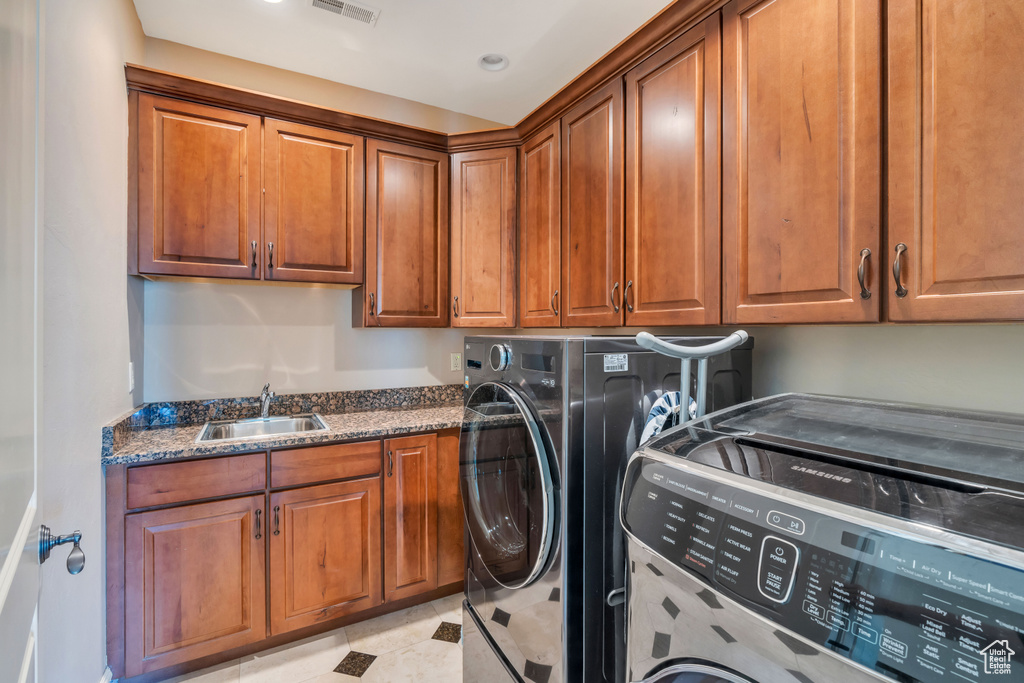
493	62
272	2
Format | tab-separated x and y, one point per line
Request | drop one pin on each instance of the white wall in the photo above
88	327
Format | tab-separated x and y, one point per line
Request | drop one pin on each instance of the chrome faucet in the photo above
265	397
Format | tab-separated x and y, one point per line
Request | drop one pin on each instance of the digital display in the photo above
907	610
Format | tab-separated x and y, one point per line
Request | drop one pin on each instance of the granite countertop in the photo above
168	431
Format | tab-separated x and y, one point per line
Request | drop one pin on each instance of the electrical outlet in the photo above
456	362
131	377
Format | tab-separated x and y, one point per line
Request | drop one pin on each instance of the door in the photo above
484	238
540	229
508	487
410	516
673	166
313	206
199	190
592	210
956	164
451	524
324	553
194	582
19	230
406	236
801	165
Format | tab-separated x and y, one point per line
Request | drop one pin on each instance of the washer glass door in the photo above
507	487
695	673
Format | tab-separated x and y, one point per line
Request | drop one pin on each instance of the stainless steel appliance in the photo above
550	422
805	538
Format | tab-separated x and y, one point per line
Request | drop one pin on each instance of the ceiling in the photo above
425	51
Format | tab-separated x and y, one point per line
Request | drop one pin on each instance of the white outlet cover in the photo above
456	362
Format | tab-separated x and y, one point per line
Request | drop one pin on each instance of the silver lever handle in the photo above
254	245
47	542
270	258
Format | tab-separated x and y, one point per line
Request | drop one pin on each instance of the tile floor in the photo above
422	644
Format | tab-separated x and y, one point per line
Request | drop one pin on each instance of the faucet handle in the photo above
266	389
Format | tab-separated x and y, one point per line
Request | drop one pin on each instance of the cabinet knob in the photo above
901	291
47	542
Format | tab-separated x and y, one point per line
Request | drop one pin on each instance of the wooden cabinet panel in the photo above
956	71
451	519
324	553
484	238
406	236
194	582
313	207
540	229
410	516
179	482
199	189
673	246
297	466
801	160
592	187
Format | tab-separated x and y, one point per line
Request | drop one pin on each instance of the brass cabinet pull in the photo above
901	291
455	307
625	296
554	306
865	293
259	534
615	306
270	260
277	520
391	463
255	246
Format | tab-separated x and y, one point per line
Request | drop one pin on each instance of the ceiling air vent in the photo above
352	10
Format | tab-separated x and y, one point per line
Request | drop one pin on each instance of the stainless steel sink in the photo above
254	428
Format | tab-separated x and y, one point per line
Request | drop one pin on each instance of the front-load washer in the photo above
800	539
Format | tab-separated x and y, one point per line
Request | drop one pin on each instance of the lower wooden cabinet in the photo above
325	556
194	582
410	516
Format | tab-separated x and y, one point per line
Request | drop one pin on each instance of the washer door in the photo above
695	673
507	487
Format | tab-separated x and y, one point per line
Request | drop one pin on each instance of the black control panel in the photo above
910	611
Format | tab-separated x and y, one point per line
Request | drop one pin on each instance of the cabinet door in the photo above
194	582
410	516
451	519
199	190
673	245
313	209
592	210
956	167
406	236
484	238
801	147
540	229
324	553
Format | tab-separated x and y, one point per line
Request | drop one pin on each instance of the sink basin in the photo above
254	428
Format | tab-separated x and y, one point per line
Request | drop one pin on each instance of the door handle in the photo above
865	293
901	291
259	533
554	306
391	463
270	259
373	309
277	520
615	306
625	296
255	247
47	542
455	307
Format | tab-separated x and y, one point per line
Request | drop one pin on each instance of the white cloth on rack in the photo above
664	408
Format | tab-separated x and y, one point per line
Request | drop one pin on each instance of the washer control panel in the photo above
910	611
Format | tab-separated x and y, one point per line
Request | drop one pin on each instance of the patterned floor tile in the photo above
448	632
355	664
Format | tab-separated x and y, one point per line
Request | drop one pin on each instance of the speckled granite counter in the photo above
168	431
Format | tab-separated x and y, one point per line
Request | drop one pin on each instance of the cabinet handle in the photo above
270	260
901	291
373	309
455	307
259	534
277	520
615	306
865	293
391	463
255	246
554	306
625	296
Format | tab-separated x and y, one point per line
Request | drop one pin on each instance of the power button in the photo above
780	520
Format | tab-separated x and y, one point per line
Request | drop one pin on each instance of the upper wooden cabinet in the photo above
540	229
406	236
956	71
483	238
410	516
313	208
592	210
673	245
801	166
198	201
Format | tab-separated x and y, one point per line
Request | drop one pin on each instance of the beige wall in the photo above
88	325
210	66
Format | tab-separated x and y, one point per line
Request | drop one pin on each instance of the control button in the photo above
893	646
501	357
776	571
838	621
814	609
865	633
780	520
